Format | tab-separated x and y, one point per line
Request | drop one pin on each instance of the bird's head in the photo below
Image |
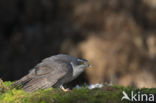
83	63
80	64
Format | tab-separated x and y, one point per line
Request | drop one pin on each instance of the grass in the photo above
106	94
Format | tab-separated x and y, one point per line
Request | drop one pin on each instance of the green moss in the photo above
107	94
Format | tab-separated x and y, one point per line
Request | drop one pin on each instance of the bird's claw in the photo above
65	90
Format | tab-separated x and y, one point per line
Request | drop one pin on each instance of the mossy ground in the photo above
107	94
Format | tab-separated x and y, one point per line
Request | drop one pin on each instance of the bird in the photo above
53	71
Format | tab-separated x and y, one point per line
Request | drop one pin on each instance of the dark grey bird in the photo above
53	71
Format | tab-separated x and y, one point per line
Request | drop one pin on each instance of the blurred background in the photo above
118	37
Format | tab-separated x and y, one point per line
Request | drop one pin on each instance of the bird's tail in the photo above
20	83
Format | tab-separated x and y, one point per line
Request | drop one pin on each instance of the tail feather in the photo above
32	83
20	83
37	83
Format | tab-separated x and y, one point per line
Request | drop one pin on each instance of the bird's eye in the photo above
81	61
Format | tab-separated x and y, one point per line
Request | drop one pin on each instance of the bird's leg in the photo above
65	90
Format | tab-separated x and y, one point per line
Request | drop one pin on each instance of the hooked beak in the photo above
89	66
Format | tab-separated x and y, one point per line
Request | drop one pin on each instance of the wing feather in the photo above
47	75
44	75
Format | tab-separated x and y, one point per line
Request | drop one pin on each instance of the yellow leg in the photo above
65	90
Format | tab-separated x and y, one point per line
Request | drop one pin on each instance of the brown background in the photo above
118	37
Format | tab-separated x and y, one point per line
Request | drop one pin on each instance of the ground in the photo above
106	94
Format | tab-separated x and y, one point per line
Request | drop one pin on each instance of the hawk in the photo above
53	71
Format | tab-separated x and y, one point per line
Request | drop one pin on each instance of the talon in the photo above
65	90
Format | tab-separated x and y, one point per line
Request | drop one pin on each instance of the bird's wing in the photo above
42	68
47	75
52	66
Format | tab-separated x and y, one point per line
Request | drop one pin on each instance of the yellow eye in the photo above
81	61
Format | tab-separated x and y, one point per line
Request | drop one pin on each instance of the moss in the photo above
107	94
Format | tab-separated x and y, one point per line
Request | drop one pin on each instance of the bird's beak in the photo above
89	66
